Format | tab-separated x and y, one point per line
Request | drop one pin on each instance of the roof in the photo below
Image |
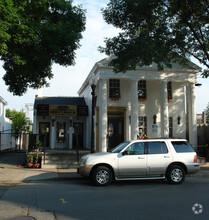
190	65
3	101
59	100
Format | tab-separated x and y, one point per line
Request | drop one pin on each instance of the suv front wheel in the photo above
175	174
101	176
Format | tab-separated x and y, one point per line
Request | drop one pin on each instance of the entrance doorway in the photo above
115	131
116	126
44	131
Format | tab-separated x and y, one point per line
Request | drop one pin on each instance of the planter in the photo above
115	98
170	100
34	159
142	99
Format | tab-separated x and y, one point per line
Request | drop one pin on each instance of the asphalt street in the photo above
62	194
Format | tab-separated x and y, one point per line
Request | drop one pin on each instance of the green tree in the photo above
160	31
34	34
19	121
207	113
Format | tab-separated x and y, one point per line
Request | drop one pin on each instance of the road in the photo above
39	194
75	198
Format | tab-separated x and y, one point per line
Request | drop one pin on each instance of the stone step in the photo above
66	152
61	159
59	166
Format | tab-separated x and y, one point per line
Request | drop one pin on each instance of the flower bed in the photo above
34	159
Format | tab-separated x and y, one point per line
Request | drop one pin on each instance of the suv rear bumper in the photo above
193	168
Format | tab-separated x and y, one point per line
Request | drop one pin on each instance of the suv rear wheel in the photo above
175	174
101	176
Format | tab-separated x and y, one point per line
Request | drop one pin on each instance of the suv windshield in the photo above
120	147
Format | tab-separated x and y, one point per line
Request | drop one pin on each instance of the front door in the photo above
133	162
115	131
158	157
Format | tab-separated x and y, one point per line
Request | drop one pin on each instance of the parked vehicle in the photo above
169	159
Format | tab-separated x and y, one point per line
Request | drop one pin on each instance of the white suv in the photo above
167	159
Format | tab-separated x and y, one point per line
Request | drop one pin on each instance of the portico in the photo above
153	102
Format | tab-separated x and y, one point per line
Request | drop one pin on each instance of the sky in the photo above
68	80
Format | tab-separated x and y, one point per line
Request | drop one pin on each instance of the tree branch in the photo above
196	57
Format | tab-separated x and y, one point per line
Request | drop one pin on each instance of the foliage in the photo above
19	121
160	31
39	144
35	34
207	113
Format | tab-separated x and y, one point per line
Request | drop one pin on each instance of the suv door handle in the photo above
166	157
140	157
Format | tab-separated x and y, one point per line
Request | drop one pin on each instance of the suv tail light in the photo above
195	158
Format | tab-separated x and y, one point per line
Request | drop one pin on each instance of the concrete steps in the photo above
62	159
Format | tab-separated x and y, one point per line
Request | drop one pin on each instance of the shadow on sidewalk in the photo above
12	158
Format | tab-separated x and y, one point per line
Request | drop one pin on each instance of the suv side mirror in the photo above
125	153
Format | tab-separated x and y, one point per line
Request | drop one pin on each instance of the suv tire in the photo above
175	174
101	176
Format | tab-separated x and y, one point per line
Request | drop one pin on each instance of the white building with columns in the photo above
142	102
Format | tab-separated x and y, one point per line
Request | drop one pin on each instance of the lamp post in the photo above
93	87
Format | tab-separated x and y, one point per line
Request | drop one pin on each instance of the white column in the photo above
164	111
134	109
103	115
35	131
53	135
192	114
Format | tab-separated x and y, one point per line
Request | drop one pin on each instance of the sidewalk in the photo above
14	176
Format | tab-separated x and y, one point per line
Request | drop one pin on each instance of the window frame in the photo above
60	132
186	143
142	86
114	88
126	150
170	127
162	142
169	91
142	124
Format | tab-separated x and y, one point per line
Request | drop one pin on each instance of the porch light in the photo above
198	84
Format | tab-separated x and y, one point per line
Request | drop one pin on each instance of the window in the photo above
135	149
169	89
157	148
182	146
142	90
114	88
142	126
61	132
170	127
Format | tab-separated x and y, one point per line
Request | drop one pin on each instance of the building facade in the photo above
60	122
142	102
7	141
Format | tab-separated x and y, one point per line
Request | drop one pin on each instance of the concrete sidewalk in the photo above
16	176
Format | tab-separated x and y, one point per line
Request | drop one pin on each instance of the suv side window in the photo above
136	149
182	146
157	148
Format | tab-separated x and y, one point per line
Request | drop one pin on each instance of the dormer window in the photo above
169	89
142	90
114	89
